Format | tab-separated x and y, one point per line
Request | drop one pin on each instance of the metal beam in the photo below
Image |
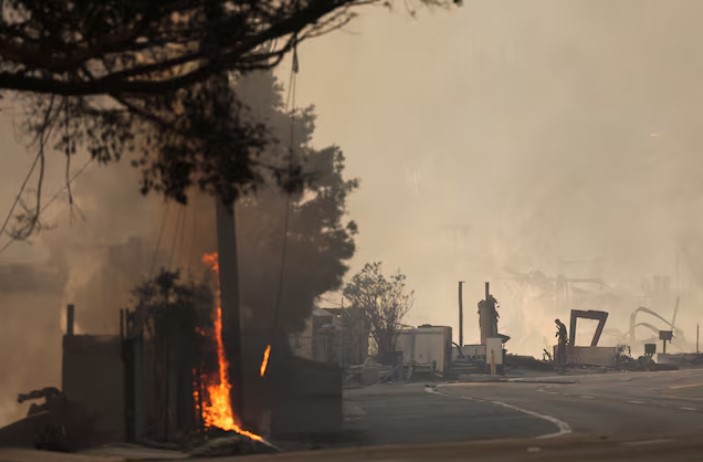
600	316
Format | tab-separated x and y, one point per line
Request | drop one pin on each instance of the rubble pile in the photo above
223	443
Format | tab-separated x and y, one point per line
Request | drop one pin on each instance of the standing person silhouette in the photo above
562	340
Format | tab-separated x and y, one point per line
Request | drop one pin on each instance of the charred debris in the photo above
163	381
154	384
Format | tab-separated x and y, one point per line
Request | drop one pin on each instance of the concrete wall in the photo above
426	346
476	352
591	356
680	359
306	397
92	377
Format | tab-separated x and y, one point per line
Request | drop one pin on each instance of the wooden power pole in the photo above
461	315
229	299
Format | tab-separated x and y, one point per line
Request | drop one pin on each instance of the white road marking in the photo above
644	443
586	397
687	385
563	427
686	408
635	402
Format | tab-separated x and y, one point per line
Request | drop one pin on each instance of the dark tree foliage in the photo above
166	295
204	138
320	239
116	76
143	47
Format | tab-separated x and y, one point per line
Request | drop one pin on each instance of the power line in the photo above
290	102
53	198
193	236
181	241
178	256
158	242
179	218
42	136
66	186
7	244
19	194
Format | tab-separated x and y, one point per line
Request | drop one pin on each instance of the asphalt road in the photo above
614	404
606	417
412	414
568	448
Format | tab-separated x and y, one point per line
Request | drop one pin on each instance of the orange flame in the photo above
217	409
211	259
265	361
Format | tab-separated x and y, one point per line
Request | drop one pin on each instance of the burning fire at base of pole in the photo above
215	406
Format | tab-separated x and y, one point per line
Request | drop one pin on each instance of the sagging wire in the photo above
69	150
53	198
290	106
158	242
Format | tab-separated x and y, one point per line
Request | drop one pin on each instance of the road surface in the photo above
570	448
605	417
411	414
614	404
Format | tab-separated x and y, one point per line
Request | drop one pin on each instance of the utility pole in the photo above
461	315
698	337
229	299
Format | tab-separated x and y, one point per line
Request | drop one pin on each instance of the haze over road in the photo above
613	417
642	404
614	404
407	414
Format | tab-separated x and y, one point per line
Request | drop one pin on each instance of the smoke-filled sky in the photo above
502	134
543	130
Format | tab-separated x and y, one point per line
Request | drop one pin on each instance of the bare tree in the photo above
385	301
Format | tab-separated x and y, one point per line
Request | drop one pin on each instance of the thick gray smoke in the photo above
94	254
91	257
554	136
559	136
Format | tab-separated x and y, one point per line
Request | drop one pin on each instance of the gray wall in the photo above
93	378
307	398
